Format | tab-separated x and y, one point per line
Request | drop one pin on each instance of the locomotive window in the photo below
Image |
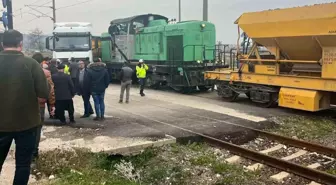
136	25
123	28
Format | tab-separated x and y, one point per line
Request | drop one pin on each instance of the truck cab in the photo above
71	39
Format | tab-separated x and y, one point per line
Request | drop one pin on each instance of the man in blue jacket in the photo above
98	80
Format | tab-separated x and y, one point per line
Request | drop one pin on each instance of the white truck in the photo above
71	39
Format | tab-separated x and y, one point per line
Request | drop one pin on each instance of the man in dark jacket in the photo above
98	80
73	69
22	82
83	89
64	92
126	82
53	66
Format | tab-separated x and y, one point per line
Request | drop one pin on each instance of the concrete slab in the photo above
314	183
237	159
234	159
287	158
279	177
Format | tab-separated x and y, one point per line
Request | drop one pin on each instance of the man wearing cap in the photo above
22	82
64	92
141	70
53	66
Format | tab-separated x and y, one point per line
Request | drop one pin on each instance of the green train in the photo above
177	53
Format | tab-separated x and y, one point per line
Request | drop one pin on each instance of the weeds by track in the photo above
303	171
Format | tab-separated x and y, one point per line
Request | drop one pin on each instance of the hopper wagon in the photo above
177	53
299	71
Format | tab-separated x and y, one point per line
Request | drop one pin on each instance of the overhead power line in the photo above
75	4
26	12
29	4
63	7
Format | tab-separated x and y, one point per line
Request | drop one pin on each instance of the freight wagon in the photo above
298	72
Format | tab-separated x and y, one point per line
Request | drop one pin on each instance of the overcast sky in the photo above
100	12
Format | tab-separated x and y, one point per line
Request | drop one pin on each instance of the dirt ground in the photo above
141	121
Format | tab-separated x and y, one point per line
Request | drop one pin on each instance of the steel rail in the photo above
313	147
315	175
312	174
283	139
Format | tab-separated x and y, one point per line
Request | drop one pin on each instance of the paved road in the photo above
198	112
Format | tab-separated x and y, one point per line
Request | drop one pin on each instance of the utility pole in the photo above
10	14
53	7
205	10
179	6
54	10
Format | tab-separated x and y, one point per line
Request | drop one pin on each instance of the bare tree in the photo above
35	38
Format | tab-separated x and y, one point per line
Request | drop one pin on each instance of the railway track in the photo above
265	157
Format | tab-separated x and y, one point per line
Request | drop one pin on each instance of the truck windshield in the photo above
69	43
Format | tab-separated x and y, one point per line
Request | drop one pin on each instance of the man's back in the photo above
126	74
21	82
64	88
98	77
52	68
74	69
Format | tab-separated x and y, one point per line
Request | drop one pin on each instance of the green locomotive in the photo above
177	53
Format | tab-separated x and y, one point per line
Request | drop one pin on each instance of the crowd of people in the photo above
70	78
29	83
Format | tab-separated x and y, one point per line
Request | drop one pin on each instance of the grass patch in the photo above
203	160
80	167
307	128
233	174
174	164
332	171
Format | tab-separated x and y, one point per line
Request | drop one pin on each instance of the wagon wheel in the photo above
270	104
227	93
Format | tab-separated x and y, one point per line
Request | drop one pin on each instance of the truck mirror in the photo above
47	43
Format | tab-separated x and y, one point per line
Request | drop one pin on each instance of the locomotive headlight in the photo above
203	25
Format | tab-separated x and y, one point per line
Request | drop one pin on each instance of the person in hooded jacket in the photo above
42	102
52	67
98	80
